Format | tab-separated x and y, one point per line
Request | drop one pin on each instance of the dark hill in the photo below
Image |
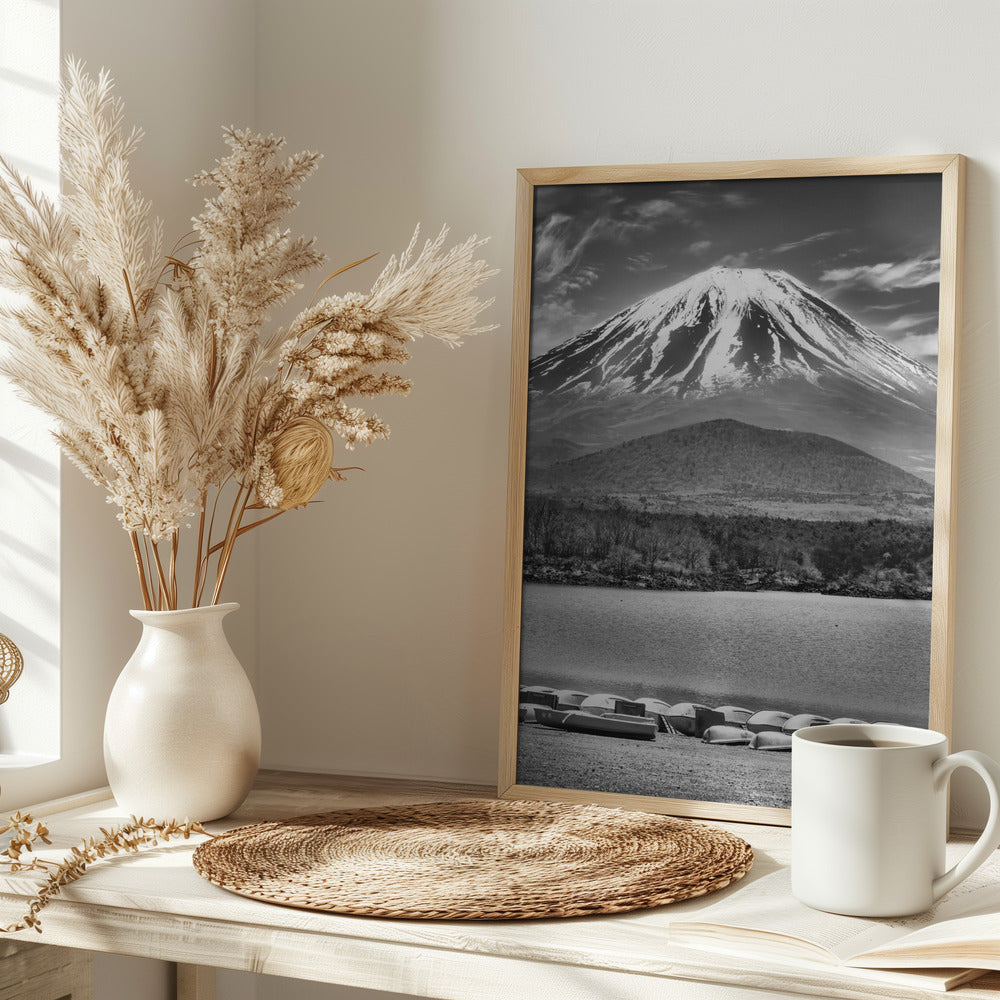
731	458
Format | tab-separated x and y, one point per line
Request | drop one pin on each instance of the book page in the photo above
768	905
972	941
979	893
970	913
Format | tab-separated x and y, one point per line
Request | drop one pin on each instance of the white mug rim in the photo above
827	736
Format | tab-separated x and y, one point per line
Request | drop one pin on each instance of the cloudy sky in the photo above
871	245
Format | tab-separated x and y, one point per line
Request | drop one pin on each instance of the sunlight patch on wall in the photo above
29	458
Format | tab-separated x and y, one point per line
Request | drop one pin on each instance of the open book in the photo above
956	940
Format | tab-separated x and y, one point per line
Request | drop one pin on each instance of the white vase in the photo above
182	732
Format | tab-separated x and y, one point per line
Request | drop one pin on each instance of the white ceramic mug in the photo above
869	822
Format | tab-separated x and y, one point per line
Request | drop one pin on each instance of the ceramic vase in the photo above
182	731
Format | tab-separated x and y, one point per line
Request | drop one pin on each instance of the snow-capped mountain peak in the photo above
727	329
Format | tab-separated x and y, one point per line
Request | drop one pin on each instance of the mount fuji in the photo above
757	346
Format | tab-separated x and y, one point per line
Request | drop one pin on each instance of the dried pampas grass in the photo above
163	388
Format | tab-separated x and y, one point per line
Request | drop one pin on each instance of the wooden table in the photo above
155	905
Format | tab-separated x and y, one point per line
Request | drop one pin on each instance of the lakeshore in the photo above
833	656
669	767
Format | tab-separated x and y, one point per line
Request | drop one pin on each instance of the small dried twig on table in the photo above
127	839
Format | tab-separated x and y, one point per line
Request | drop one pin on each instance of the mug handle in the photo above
989	839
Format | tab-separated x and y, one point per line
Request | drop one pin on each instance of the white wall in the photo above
391	593
380	608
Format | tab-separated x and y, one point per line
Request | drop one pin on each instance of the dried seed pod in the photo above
301	457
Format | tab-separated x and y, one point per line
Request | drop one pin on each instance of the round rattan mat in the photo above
476	860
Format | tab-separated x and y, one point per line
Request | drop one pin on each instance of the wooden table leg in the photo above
195	982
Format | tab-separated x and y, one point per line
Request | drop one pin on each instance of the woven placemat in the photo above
477	860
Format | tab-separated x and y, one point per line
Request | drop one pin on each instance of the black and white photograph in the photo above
729	495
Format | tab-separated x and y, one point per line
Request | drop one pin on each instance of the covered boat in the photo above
550	717
735	715
727	735
848	722
599	704
767	722
804	721
659	710
692	719
568	700
534	696
768	739
528	711
654	706
631	727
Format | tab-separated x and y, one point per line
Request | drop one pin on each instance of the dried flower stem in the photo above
340	271
247	527
147	547
141	569
174	542
211	526
162	588
126	839
201	539
232	533
131	297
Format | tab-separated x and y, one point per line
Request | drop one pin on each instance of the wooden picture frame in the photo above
577	227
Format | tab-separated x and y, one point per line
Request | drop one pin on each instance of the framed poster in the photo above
731	472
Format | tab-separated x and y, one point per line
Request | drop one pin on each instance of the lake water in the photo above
833	656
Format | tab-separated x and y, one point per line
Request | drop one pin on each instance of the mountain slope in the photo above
751	345
727	457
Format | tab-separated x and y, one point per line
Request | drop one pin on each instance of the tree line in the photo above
615	545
